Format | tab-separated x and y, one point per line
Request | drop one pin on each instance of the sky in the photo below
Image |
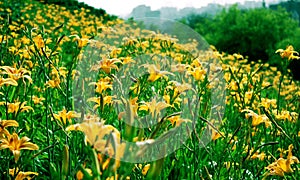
124	7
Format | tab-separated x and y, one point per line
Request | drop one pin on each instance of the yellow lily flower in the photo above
53	83
126	60
80	175
7	123
94	130
39	42
56	75
179	68
106	65
177	120
145	169
58	72
17	74
15	144
97	100
154	107
238	56
260	156
198	73
257	119
115	52
281	166
168	98
8	81
63	116
288	53
18	106
37	100
215	135
177	89
96	135
101	86
22	175
155	73
181	87
81	42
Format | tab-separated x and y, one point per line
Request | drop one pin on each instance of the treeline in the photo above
256	33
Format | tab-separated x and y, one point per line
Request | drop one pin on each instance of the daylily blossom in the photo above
198	73
101	100
37	100
154	107
18	106
289	53
106	65
15	144
63	116
155	72
281	165
7	123
101	86
96	134
8	81
177	120
22	175
16	74
257	119
81	42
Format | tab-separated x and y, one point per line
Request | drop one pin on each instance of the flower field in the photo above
91	97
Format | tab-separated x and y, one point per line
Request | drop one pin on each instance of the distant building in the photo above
140	11
293	6
143	11
153	14
168	12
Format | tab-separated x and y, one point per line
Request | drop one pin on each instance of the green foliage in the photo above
255	32
293	38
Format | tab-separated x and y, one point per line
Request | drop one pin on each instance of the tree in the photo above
253	32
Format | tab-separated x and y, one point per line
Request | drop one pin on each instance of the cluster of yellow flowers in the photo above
12	76
41	64
15	145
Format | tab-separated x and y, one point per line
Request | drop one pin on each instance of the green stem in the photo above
279	90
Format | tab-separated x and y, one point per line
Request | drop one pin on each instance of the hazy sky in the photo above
124	7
